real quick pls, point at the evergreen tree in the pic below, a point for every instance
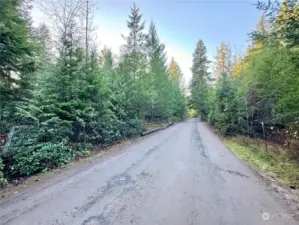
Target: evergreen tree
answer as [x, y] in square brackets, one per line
[224, 107]
[283, 23]
[287, 23]
[135, 41]
[134, 62]
[177, 87]
[200, 76]
[17, 62]
[155, 49]
[157, 78]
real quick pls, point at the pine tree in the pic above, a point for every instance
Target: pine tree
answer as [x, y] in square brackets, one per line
[17, 62]
[287, 23]
[200, 65]
[16, 58]
[157, 77]
[200, 76]
[135, 41]
[134, 62]
[155, 49]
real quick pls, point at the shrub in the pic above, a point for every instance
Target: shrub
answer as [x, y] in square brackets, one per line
[3, 181]
[35, 148]
[36, 158]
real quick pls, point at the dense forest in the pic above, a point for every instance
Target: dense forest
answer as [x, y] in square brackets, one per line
[255, 94]
[60, 96]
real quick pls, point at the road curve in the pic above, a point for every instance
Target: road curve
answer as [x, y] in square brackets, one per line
[182, 175]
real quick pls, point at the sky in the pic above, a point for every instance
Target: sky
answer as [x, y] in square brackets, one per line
[180, 24]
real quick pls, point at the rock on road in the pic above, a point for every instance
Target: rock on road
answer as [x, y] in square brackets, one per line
[182, 175]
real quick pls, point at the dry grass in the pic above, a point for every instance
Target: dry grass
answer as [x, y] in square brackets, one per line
[273, 160]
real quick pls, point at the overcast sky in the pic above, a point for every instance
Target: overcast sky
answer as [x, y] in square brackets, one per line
[180, 23]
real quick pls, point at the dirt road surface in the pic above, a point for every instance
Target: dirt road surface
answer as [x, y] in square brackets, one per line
[182, 175]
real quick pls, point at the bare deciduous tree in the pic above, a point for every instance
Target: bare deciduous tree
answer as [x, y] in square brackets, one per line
[64, 19]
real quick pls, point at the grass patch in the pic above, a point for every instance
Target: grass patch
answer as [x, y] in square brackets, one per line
[278, 164]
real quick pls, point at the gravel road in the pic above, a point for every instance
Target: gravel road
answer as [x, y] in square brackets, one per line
[182, 175]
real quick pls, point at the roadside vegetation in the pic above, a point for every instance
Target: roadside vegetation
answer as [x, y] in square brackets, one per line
[61, 96]
[272, 160]
[256, 93]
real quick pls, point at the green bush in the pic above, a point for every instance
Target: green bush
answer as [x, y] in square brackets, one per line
[3, 181]
[36, 158]
[116, 130]
[35, 148]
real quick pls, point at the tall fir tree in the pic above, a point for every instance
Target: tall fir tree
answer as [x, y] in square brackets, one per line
[157, 77]
[135, 41]
[155, 49]
[200, 77]
[134, 62]
[17, 58]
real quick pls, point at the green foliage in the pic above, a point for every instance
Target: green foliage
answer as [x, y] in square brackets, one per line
[3, 181]
[34, 148]
[16, 59]
[79, 101]
[284, 170]
[200, 77]
[283, 18]
[259, 98]
[224, 106]
[34, 158]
